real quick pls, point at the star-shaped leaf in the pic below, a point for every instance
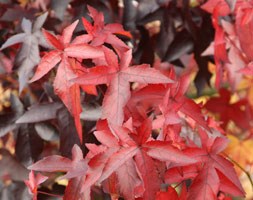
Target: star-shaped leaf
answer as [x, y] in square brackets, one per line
[118, 75]
[62, 53]
[29, 55]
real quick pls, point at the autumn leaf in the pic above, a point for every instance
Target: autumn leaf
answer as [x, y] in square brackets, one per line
[228, 111]
[118, 76]
[239, 150]
[63, 51]
[33, 183]
[217, 173]
[112, 158]
[146, 138]
[122, 152]
[175, 102]
[100, 33]
[74, 168]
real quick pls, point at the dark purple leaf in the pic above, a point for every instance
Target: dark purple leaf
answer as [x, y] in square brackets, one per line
[28, 145]
[46, 131]
[10, 166]
[7, 120]
[16, 12]
[40, 112]
[181, 45]
[28, 56]
[129, 15]
[60, 6]
[68, 133]
[16, 190]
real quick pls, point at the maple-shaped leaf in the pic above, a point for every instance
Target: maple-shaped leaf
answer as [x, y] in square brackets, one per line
[175, 102]
[112, 158]
[118, 75]
[219, 9]
[33, 182]
[28, 56]
[63, 51]
[141, 152]
[205, 185]
[74, 168]
[169, 99]
[144, 100]
[151, 152]
[100, 33]
[228, 111]
[217, 173]
[132, 157]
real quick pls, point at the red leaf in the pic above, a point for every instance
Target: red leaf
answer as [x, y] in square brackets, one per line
[117, 160]
[163, 151]
[175, 101]
[96, 166]
[244, 25]
[34, 182]
[53, 40]
[118, 76]
[101, 33]
[73, 189]
[179, 174]
[46, 64]
[205, 185]
[128, 179]
[69, 93]
[83, 51]
[74, 168]
[216, 173]
[151, 181]
[67, 33]
[228, 111]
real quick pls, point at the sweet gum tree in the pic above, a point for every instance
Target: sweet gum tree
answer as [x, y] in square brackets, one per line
[107, 99]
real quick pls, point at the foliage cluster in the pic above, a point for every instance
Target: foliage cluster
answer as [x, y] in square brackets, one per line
[147, 99]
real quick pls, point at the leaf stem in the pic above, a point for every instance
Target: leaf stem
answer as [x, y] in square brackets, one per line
[241, 168]
[49, 194]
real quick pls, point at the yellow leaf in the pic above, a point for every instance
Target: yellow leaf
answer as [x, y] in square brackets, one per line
[240, 151]
[23, 3]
